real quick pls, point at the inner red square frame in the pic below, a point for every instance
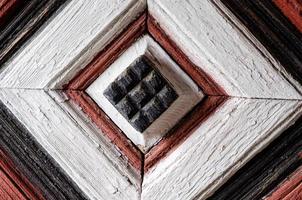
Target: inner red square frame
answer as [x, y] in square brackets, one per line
[215, 96]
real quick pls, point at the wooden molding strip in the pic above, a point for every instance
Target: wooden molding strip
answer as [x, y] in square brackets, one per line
[264, 172]
[208, 85]
[183, 130]
[22, 157]
[291, 9]
[107, 127]
[103, 60]
[289, 189]
[24, 24]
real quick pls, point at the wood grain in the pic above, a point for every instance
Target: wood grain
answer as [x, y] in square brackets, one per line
[8, 9]
[265, 22]
[126, 147]
[184, 128]
[218, 148]
[208, 85]
[25, 23]
[32, 170]
[88, 163]
[84, 27]
[13, 184]
[270, 167]
[290, 189]
[104, 58]
[189, 93]
[215, 44]
[291, 9]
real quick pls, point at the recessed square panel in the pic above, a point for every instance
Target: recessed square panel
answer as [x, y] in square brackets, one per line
[145, 93]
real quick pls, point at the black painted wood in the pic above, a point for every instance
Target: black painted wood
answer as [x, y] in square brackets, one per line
[269, 168]
[31, 159]
[140, 94]
[24, 24]
[273, 30]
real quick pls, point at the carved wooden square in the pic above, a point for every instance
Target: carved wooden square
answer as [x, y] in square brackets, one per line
[140, 94]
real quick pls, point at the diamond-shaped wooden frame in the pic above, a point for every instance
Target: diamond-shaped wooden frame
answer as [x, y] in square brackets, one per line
[263, 98]
[145, 24]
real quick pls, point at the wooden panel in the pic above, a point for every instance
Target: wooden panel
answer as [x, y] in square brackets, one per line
[217, 46]
[69, 42]
[90, 165]
[218, 148]
[32, 170]
[264, 172]
[8, 8]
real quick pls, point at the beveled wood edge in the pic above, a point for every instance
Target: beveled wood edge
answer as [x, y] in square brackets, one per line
[103, 59]
[133, 154]
[203, 80]
[183, 129]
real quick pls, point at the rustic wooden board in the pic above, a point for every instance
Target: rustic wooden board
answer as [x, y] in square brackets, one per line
[62, 137]
[263, 173]
[218, 148]
[35, 173]
[69, 42]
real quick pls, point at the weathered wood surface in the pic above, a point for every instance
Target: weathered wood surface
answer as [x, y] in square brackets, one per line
[218, 148]
[69, 42]
[25, 23]
[263, 173]
[272, 29]
[289, 189]
[88, 163]
[34, 172]
[291, 9]
[212, 42]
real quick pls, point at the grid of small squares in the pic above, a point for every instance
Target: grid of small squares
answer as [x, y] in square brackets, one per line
[140, 94]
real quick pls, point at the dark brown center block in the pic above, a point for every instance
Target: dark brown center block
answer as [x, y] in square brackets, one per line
[141, 94]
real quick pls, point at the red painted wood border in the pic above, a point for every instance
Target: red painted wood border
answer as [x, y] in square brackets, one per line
[75, 90]
[183, 129]
[292, 9]
[8, 9]
[106, 57]
[216, 96]
[108, 127]
[17, 186]
[204, 81]
[290, 189]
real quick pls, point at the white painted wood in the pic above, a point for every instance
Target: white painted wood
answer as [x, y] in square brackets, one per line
[69, 42]
[218, 148]
[213, 43]
[91, 165]
[188, 92]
